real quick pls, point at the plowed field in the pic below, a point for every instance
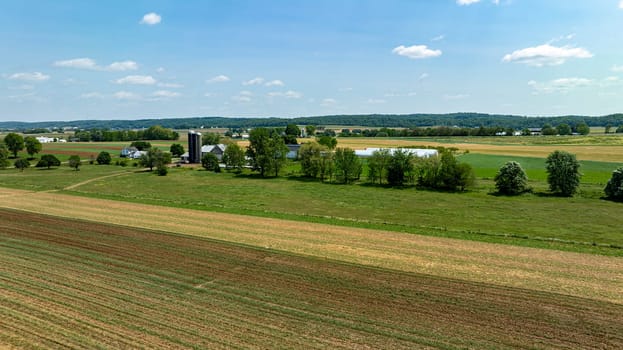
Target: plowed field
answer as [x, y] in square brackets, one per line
[79, 284]
[573, 274]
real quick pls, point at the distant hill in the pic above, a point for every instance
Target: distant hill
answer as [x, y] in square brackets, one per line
[364, 120]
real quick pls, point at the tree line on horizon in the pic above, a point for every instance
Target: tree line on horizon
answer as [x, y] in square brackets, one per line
[468, 120]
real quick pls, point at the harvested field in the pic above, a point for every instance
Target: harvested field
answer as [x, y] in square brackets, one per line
[70, 283]
[573, 274]
[607, 153]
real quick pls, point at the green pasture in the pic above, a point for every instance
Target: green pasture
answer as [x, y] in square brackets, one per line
[585, 222]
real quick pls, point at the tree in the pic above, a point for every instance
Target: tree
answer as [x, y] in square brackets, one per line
[347, 165]
[4, 157]
[400, 168]
[267, 151]
[327, 166]
[377, 165]
[511, 179]
[310, 155]
[14, 142]
[548, 130]
[233, 157]
[614, 188]
[21, 164]
[176, 149]
[563, 129]
[210, 138]
[619, 129]
[328, 141]
[103, 158]
[33, 146]
[75, 162]
[582, 129]
[291, 133]
[141, 145]
[310, 130]
[608, 128]
[155, 158]
[48, 161]
[210, 162]
[563, 173]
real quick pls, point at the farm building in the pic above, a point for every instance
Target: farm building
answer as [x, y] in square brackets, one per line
[194, 147]
[418, 152]
[217, 150]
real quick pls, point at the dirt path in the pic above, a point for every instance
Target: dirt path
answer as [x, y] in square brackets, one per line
[76, 185]
[581, 275]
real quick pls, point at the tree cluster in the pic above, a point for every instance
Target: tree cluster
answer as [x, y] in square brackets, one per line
[155, 132]
[267, 151]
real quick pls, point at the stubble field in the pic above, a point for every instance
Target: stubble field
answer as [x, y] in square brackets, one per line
[70, 283]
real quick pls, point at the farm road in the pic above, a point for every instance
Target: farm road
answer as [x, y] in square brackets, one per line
[582, 275]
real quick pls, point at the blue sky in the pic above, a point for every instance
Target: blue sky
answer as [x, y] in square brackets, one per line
[67, 60]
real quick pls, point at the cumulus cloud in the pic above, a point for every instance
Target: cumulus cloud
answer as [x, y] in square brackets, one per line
[137, 80]
[125, 95]
[546, 55]
[166, 94]
[416, 51]
[90, 64]
[274, 83]
[328, 102]
[218, 79]
[27, 76]
[456, 97]
[562, 85]
[617, 69]
[92, 95]
[254, 81]
[151, 19]
[287, 94]
[466, 2]
[375, 101]
[170, 85]
[621, 4]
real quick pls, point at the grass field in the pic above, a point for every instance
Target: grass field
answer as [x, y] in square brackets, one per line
[67, 283]
[169, 262]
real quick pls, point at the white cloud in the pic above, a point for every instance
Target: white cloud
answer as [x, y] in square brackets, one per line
[423, 76]
[274, 83]
[438, 38]
[456, 97]
[90, 64]
[254, 81]
[208, 94]
[137, 80]
[547, 54]
[328, 102]
[92, 95]
[22, 87]
[466, 2]
[562, 85]
[170, 85]
[239, 98]
[218, 79]
[612, 79]
[122, 66]
[166, 94]
[125, 95]
[151, 19]
[375, 101]
[26, 76]
[621, 4]
[416, 51]
[287, 94]
[394, 94]
[617, 69]
[160, 70]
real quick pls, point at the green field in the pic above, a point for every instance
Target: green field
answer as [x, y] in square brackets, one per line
[583, 223]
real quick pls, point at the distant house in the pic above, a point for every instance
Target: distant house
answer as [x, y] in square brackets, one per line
[293, 151]
[418, 152]
[535, 131]
[127, 151]
[137, 154]
[43, 139]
